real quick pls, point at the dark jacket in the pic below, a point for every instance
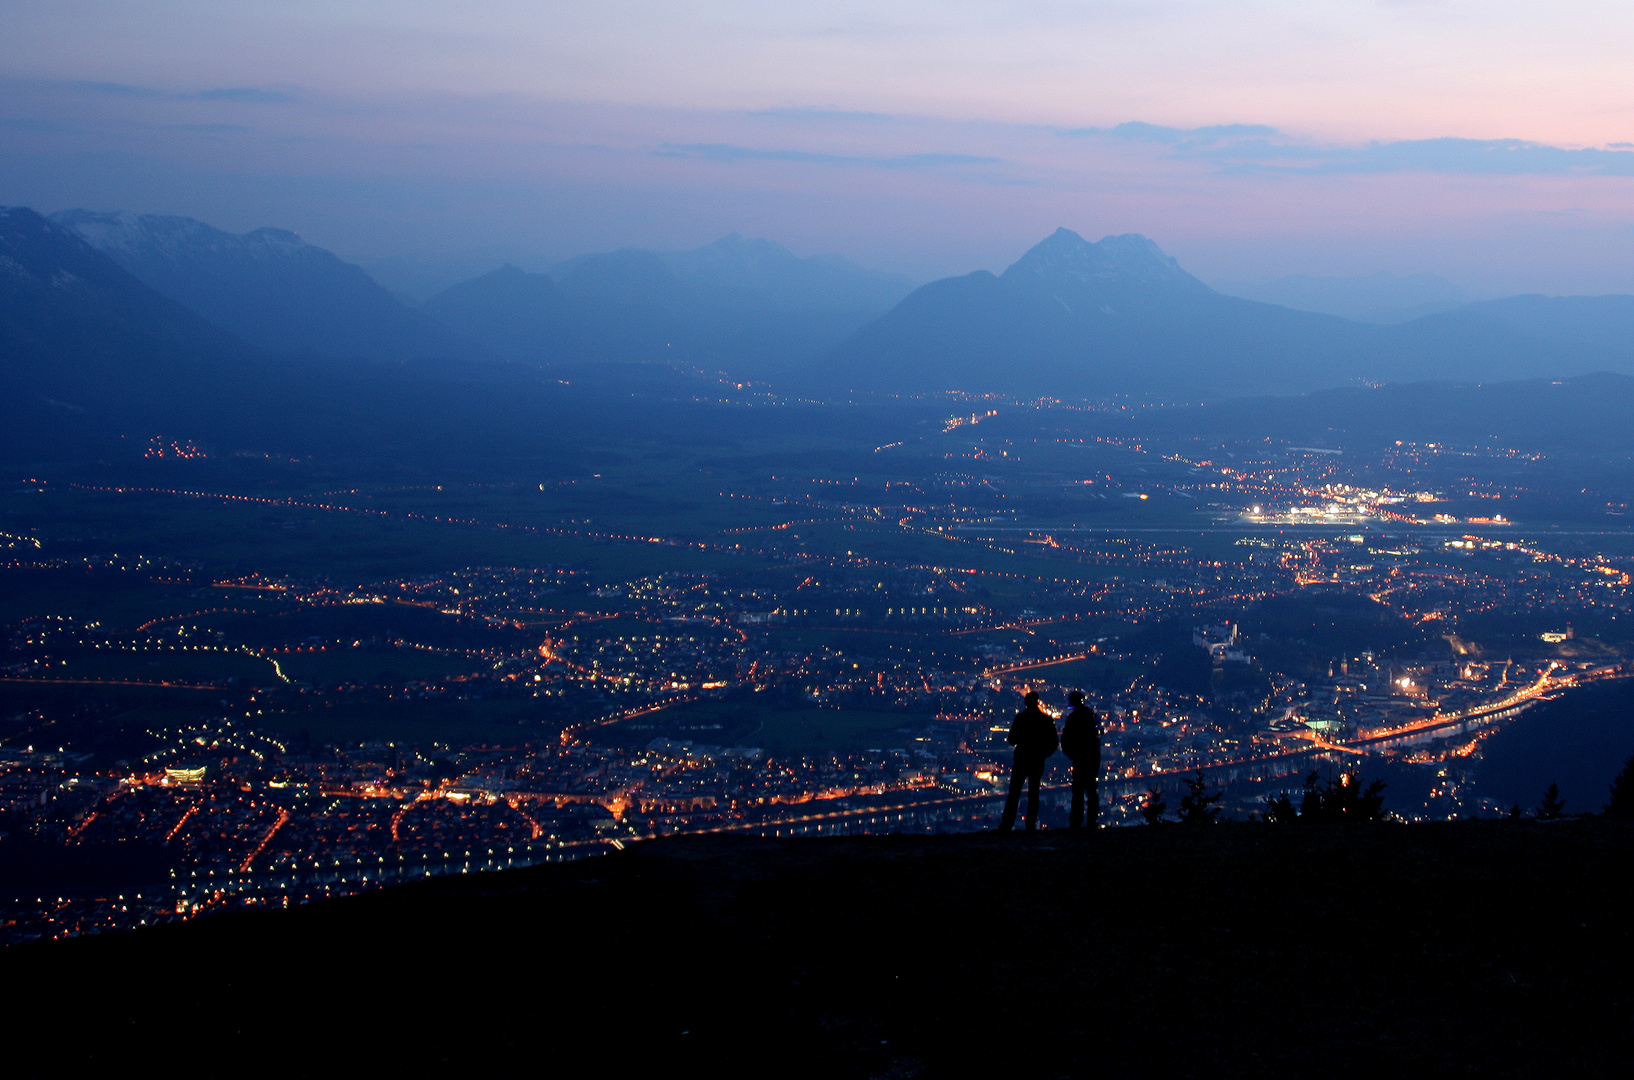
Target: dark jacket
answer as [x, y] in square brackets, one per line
[1033, 736]
[1081, 736]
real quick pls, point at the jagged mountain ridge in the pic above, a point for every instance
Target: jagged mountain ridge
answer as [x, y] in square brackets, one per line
[1064, 262]
[268, 286]
[1075, 318]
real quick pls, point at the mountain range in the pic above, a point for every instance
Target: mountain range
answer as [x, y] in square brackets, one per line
[269, 287]
[1072, 318]
[95, 363]
[249, 341]
[748, 306]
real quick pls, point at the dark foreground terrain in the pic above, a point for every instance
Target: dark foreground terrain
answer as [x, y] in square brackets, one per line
[1490, 948]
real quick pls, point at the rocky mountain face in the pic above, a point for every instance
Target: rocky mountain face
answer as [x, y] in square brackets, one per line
[1065, 264]
[269, 287]
[57, 293]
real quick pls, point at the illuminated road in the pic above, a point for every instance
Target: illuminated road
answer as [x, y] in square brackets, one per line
[1033, 665]
[112, 682]
[283, 819]
[1546, 684]
[571, 734]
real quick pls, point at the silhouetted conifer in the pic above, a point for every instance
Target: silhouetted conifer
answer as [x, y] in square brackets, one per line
[1152, 807]
[1340, 798]
[1622, 792]
[1197, 807]
[1281, 809]
[1552, 805]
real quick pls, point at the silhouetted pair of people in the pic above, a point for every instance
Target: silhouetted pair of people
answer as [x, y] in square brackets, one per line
[1034, 736]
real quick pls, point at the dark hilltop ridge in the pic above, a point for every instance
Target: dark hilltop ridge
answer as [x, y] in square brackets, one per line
[1473, 948]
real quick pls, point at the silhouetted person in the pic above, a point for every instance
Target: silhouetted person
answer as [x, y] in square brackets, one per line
[1081, 741]
[1033, 736]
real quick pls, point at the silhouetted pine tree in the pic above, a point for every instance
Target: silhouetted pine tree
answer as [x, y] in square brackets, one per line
[1152, 807]
[1552, 805]
[1197, 808]
[1622, 792]
[1341, 798]
[1281, 809]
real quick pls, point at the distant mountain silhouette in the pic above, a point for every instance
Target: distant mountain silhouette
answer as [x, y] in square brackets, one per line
[416, 277]
[747, 306]
[1383, 298]
[518, 315]
[84, 341]
[58, 293]
[1073, 318]
[94, 364]
[749, 273]
[269, 287]
[1581, 322]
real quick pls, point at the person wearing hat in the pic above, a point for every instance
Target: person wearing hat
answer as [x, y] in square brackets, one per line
[1081, 741]
[1033, 735]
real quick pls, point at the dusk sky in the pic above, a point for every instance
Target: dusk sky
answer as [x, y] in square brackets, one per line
[1490, 142]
